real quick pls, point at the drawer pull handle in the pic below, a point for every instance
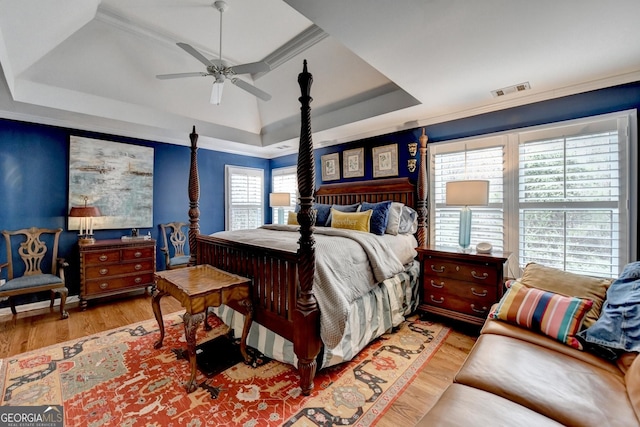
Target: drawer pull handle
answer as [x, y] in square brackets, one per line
[435, 285]
[138, 280]
[483, 310]
[138, 254]
[104, 285]
[103, 258]
[483, 294]
[475, 275]
[437, 270]
[104, 271]
[437, 301]
[138, 267]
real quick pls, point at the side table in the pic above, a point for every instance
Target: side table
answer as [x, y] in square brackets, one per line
[197, 288]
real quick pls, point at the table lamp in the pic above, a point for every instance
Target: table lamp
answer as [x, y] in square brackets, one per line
[465, 194]
[279, 200]
[86, 215]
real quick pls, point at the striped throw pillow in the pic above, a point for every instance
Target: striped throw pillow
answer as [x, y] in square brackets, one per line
[557, 316]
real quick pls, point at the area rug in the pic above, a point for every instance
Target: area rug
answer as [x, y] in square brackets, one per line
[117, 378]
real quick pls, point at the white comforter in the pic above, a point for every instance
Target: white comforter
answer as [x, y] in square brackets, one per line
[348, 264]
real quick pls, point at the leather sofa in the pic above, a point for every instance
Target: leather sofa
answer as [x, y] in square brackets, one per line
[515, 376]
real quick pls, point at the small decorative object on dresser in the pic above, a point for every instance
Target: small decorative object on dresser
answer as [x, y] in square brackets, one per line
[110, 267]
[461, 286]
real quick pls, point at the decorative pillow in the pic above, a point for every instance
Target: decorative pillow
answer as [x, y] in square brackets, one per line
[358, 221]
[395, 212]
[343, 208]
[569, 284]
[292, 219]
[556, 316]
[379, 216]
[408, 221]
[322, 214]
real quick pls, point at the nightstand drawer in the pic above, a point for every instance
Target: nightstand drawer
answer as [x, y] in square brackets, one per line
[472, 307]
[479, 273]
[460, 289]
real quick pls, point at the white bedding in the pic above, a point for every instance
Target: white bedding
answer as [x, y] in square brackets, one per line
[348, 264]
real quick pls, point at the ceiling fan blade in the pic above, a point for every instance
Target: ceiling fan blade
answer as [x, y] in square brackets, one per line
[180, 75]
[251, 89]
[251, 68]
[193, 52]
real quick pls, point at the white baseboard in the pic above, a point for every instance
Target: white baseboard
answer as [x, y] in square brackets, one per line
[39, 305]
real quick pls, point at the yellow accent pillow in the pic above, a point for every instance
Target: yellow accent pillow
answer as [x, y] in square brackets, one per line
[292, 219]
[351, 220]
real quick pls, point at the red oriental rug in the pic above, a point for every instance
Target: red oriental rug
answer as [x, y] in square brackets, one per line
[117, 378]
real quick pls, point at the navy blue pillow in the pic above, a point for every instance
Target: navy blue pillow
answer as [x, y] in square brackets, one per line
[322, 213]
[379, 216]
[343, 208]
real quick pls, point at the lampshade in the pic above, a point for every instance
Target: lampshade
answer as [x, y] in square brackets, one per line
[279, 199]
[84, 212]
[467, 193]
[216, 91]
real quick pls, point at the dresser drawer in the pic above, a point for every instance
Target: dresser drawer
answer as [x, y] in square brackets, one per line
[137, 253]
[478, 273]
[118, 283]
[461, 289]
[107, 270]
[102, 257]
[473, 307]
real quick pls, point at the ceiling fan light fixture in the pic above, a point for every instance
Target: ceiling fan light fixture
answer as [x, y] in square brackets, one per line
[216, 92]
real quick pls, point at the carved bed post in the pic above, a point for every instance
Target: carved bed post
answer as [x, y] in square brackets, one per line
[194, 197]
[423, 191]
[306, 334]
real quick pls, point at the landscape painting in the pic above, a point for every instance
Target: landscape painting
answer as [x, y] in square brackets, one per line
[115, 177]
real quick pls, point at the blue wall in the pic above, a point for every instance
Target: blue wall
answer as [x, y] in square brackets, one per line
[34, 164]
[617, 98]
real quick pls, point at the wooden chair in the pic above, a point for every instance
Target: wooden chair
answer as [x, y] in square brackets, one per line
[40, 269]
[175, 244]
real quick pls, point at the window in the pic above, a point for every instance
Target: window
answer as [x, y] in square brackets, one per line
[244, 198]
[284, 180]
[559, 194]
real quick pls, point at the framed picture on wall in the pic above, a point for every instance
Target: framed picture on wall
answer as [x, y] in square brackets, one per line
[385, 161]
[115, 177]
[353, 163]
[330, 167]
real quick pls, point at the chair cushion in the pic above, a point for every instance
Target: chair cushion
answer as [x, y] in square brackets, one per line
[180, 260]
[26, 282]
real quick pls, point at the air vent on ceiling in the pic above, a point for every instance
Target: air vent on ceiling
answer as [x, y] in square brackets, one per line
[282, 147]
[511, 89]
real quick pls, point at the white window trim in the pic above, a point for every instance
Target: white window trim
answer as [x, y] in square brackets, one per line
[627, 126]
[229, 170]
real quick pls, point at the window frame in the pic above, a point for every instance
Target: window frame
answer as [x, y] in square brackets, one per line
[287, 170]
[627, 134]
[231, 170]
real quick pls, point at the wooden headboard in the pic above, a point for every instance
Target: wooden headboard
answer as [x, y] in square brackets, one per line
[347, 193]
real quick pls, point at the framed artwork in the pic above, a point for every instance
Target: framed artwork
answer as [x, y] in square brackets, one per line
[330, 167]
[385, 161]
[353, 163]
[115, 177]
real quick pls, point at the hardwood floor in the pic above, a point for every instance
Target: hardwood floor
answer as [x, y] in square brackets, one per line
[40, 328]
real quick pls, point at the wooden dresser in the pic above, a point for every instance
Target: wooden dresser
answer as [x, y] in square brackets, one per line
[461, 286]
[109, 267]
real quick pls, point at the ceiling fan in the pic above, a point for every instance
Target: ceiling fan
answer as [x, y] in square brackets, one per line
[220, 70]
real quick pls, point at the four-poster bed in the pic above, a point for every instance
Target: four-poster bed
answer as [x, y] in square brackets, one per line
[284, 300]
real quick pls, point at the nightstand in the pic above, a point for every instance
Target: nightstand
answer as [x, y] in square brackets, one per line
[462, 286]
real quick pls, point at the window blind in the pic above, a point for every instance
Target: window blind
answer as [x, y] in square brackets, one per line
[245, 195]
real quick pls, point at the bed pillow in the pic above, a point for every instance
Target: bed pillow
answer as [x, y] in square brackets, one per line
[343, 208]
[292, 219]
[569, 284]
[408, 221]
[395, 212]
[358, 221]
[557, 316]
[379, 216]
[323, 212]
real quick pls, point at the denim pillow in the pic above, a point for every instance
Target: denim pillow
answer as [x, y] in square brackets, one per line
[322, 213]
[379, 217]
